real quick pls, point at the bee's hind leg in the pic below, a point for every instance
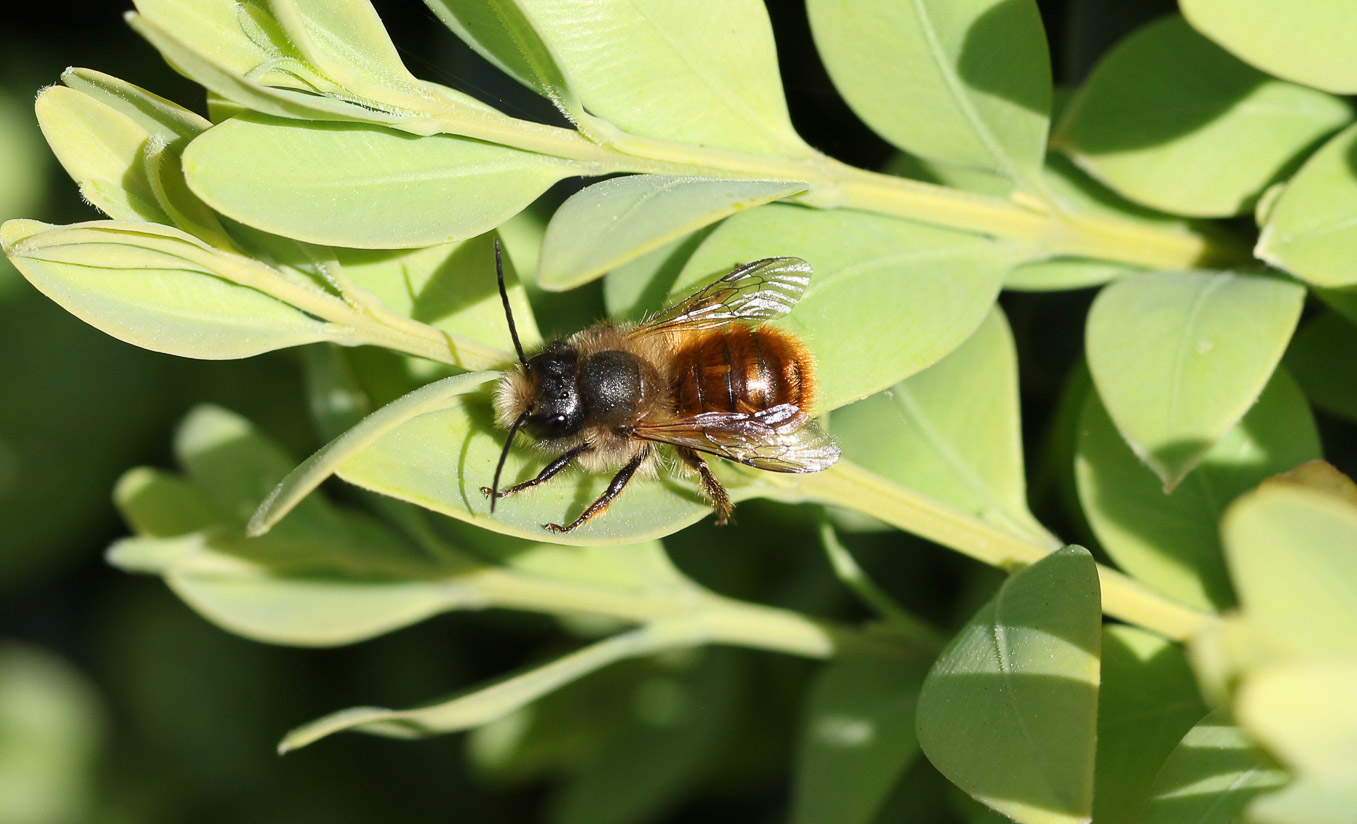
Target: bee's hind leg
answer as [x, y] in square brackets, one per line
[618, 483]
[720, 498]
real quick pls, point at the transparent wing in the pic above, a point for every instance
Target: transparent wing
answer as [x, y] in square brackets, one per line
[752, 293]
[781, 439]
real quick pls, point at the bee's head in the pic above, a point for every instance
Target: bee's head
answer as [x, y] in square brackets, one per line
[554, 409]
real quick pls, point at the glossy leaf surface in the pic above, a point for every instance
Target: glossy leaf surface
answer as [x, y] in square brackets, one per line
[1179, 357]
[1008, 712]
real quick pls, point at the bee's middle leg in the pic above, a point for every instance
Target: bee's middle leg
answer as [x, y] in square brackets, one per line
[720, 498]
[619, 482]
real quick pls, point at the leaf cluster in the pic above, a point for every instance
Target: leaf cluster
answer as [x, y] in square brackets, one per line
[1201, 175]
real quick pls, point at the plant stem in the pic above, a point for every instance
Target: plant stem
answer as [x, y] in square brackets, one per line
[853, 487]
[837, 185]
[704, 617]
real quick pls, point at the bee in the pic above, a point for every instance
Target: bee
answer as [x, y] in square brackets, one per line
[703, 377]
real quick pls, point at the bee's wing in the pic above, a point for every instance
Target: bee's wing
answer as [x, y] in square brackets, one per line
[752, 293]
[781, 439]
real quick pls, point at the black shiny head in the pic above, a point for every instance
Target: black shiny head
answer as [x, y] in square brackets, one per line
[556, 410]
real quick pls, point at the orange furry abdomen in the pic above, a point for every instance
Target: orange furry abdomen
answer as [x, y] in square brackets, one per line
[739, 369]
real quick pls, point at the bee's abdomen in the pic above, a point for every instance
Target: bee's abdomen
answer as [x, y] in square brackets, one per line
[739, 369]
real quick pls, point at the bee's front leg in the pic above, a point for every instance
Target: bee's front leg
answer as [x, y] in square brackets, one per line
[548, 472]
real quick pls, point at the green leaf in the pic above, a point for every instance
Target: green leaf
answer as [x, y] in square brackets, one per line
[478, 705]
[156, 287]
[1170, 541]
[501, 32]
[1008, 712]
[888, 298]
[1310, 48]
[857, 738]
[1148, 701]
[967, 83]
[450, 287]
[1320, 357]
[1293, 557]
[614, 222]
[1309, 231]
[1179, 357]
[699, 74]
[1171, 120]
[1209, 777]
[311, 473]
[318, 183]
[952, 432]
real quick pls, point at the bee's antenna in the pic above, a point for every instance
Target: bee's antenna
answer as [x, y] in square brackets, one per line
[513, 332]
[504, 456]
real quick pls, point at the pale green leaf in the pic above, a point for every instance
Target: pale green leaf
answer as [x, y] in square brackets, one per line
[1320, 357]
[679, 733]
[478, 705]
[155, 287]
[1170, 120]
[238, 52]
[1292, 553]
[101, 149]
[157, 116]
[165, 174]
[966, 82]
[1310, 231]
[634, 289]
[1303, 713]
[330, 577]
[1179, 357]
[1060, 275]
[450, 287]
[1008, 712]
[952, 432]
[323, 590]
[1310, 45]
[1170, 541]
[1209, 777]
[614, 222]
[345, 40]
[1147, 702]
[320, 183]
[245, 56]
[1307, 800]
[501, 32]
[887, 298]
[53, 726]
[312, 472]
[857, 738]
[694, 73]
